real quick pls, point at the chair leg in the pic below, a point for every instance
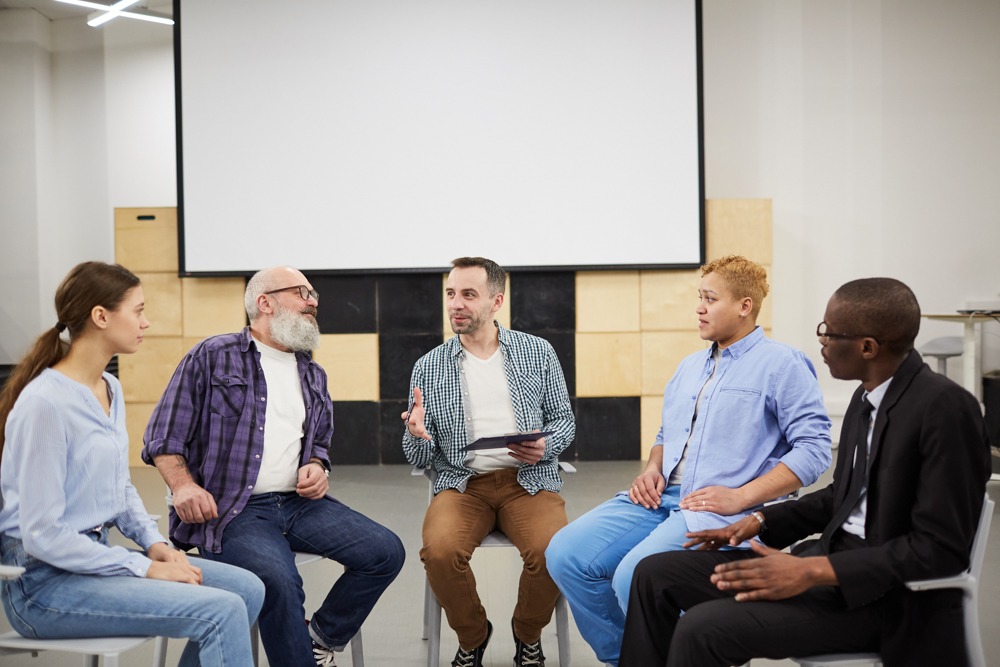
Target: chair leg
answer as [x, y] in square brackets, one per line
[562, 631]
[973, 640]
[942, 365]
[428, 604]
[160, 652]
[433, 632]
[357, 651]
[111, 660]
[88, 660]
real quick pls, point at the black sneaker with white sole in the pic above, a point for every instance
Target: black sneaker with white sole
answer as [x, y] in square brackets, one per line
[473, 658]
[525, 654]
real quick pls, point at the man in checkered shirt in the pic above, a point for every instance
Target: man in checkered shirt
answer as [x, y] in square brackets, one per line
[488, 381]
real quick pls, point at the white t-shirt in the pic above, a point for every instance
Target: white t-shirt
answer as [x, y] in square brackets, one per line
[283, 420]
[489, 409]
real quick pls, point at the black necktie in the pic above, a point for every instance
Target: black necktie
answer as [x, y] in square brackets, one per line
[858, 475]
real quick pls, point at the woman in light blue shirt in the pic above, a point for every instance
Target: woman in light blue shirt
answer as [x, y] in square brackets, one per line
[743, 423]
[64, 481]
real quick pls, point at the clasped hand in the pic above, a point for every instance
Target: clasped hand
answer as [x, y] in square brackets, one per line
[171, 565]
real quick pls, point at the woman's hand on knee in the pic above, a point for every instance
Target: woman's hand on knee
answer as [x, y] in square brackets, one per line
[183, 572]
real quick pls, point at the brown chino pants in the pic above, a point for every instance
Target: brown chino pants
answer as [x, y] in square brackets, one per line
[456, 523]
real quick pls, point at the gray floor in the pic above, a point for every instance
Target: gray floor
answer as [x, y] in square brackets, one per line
[392, 634]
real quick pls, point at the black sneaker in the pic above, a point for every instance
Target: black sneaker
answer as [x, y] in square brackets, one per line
[323, 655]
[527, 655]
[473, 658]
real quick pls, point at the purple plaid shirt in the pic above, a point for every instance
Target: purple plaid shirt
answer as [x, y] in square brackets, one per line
[212, 414]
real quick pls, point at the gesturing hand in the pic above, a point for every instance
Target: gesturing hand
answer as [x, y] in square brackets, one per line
[415, 417]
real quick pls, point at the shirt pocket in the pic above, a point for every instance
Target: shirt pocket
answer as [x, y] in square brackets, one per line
[229, 394]
[739, 394]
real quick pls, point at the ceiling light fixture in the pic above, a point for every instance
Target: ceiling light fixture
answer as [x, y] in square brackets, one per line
[109, 12]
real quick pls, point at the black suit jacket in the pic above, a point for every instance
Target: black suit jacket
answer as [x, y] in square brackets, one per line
[928, 467]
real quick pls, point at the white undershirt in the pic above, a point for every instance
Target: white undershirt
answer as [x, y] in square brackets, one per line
[489, 409]
[283, 419]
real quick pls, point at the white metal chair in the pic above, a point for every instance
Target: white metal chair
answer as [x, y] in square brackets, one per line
[93, 648]
[432, 608]
[967, 582]
[357, 648]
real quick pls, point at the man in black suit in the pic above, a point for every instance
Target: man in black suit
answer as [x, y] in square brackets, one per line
[914, 444]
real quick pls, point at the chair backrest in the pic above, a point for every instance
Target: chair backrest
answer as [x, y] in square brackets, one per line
[978, 554]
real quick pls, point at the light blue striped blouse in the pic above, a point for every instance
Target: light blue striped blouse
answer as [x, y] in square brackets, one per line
[65, 472]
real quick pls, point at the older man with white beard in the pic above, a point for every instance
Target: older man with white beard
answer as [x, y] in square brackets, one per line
[240, 436]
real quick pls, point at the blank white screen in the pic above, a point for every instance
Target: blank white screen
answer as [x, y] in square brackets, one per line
[399, 134]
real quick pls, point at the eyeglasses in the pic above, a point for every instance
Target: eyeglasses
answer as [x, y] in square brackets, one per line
[825, 336]
[304, 292]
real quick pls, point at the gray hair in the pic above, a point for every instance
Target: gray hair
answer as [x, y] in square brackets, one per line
[260, 282]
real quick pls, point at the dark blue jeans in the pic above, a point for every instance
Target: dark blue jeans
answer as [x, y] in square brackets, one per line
[262, 539]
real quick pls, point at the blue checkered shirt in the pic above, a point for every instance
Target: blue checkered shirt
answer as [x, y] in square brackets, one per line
[537, 392]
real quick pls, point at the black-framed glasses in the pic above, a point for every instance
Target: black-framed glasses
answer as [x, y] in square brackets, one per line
[304, 292]
[823, 333]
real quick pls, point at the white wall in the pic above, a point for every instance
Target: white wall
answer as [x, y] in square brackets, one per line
[24, 119]
[87, 125]
[875, 129]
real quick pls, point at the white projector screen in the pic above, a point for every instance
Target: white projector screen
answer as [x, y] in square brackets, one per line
[386, 135]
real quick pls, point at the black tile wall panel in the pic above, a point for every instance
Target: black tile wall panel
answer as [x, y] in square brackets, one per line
[396, 355]
[347, 304]
[410, 303]
[391, 431]
[543, 301]
[608, 429]
[355, 433]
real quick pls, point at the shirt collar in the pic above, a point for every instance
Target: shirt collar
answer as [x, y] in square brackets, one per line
[245, 339]
[876, 395]
[742, 346]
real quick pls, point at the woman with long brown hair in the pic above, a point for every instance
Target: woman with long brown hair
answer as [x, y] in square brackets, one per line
[64, 481]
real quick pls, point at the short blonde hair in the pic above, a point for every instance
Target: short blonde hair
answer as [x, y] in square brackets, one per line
[743, 277]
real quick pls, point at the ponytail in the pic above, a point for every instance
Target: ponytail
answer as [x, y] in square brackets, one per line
[87, 285]
[47, 351]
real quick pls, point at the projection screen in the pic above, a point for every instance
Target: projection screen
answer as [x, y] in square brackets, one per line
[387, 135]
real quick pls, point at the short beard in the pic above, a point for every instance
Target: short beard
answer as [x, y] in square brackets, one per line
[294, 330]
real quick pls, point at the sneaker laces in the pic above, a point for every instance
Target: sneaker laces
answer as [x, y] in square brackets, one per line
[531, 654]
[324, 656]
[464, 658]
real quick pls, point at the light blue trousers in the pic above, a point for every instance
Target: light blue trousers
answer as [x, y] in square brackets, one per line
[592, 560]
[49, 603]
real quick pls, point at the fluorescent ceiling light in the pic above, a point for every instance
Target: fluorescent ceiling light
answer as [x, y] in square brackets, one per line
[113, 11]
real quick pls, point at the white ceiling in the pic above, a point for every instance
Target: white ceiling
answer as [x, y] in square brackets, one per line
[55, 11]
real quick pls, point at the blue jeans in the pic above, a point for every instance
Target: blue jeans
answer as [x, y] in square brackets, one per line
[263, 538]
[592, 560]
[49, 603]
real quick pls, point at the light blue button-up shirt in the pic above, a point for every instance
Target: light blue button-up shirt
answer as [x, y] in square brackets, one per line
[763, 407]
[65, 472]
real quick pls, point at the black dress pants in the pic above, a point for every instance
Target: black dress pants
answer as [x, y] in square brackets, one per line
[715, 629]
